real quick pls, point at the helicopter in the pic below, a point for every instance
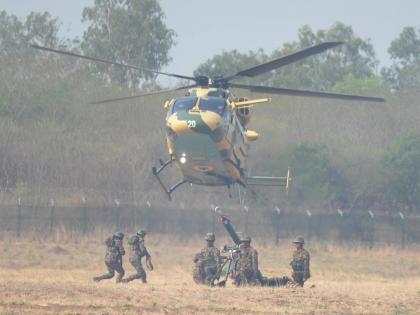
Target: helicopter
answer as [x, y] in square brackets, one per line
[207, 132]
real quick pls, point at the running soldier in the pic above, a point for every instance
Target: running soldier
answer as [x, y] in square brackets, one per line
[113, 261]
[118, 239]
[207, 262]
[137, 251]
[247, 266]
[300, 262]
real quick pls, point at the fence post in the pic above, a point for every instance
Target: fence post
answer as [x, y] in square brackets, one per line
[403, 229]
[148, 216]
[340, 225]
[246, 209]
[134, 217]
[371, 229]
[52, 214]
[213, 217]
[18, 217]
[309, 227]
[278, 221]
[117, 214]
[83, 215]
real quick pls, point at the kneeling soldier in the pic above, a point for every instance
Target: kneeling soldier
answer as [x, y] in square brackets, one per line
[207, 262]
[247, 266]
[300, 262]
[113, 261]
[137, 252]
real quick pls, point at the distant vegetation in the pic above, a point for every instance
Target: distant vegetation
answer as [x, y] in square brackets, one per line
[345, 155]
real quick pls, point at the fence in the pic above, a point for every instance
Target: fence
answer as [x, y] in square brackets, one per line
[266, 224]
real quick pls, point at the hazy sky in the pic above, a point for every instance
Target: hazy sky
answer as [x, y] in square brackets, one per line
[206, 28]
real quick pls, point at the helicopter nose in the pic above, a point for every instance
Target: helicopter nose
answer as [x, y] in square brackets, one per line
[190, 124]
[181, 126]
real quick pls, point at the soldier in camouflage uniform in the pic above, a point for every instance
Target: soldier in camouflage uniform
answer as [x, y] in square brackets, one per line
[118, 240]
[113, 260]
[247, 272]
[300, 262]
[137, 251]
[207, 262]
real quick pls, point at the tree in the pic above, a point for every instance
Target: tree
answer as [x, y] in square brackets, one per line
[127, 31]
[401, 167]
[373, 85]
[229, 63]
[320, 72]
[16, 35]
[24, 74]
[404, 74]
[315, 177]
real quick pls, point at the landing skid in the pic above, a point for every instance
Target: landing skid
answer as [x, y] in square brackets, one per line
[156, 172]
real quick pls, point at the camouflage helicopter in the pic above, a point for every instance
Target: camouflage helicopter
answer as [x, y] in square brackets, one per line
[207, 130]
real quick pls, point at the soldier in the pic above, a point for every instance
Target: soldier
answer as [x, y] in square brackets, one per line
[300, 262]
[118, 239]
[207, 262]
[137, 251]
[112, 261]
[247, 266]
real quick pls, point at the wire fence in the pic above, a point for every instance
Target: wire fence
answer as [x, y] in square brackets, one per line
[272, 225]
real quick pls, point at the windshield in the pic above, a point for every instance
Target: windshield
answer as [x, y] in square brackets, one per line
[184, 103]
[214, 104]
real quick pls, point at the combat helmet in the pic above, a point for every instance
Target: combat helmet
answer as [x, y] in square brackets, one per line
[119, 235]
[210, 237]
[141, 233]
[299, 240]
[245, 238]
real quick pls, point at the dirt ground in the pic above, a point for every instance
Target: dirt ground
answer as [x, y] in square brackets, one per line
[55, 277]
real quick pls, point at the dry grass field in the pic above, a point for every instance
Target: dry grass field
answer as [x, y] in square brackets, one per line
[54, 277]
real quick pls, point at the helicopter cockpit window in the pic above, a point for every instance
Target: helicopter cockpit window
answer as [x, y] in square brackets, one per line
[184, 104]
[214, 104]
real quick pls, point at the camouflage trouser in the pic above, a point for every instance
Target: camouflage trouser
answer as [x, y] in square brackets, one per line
[245, 277]
[298, 277]
[141, 274]
[112, 266]
[209, 272]
[198, 274]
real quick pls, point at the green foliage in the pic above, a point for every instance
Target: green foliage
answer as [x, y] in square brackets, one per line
[229, 63]
[356, 58]
[127, 31]
[316, 179]
[373, 85]
[401, 166]
[404, 74]
[320, 72]
[16, 35]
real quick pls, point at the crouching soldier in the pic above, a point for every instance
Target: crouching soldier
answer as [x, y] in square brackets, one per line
[247, 266]
[300, 262]
[113, 258]
[207, 262]
[137, 251]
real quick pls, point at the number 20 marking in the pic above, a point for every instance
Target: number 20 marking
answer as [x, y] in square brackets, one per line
[191, 123]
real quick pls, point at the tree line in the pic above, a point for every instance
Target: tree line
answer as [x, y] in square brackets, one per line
[343, 155]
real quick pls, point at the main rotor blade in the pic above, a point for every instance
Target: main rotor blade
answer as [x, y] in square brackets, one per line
[285, 60]
[293, 92]
[68, 53]
[118, 99]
